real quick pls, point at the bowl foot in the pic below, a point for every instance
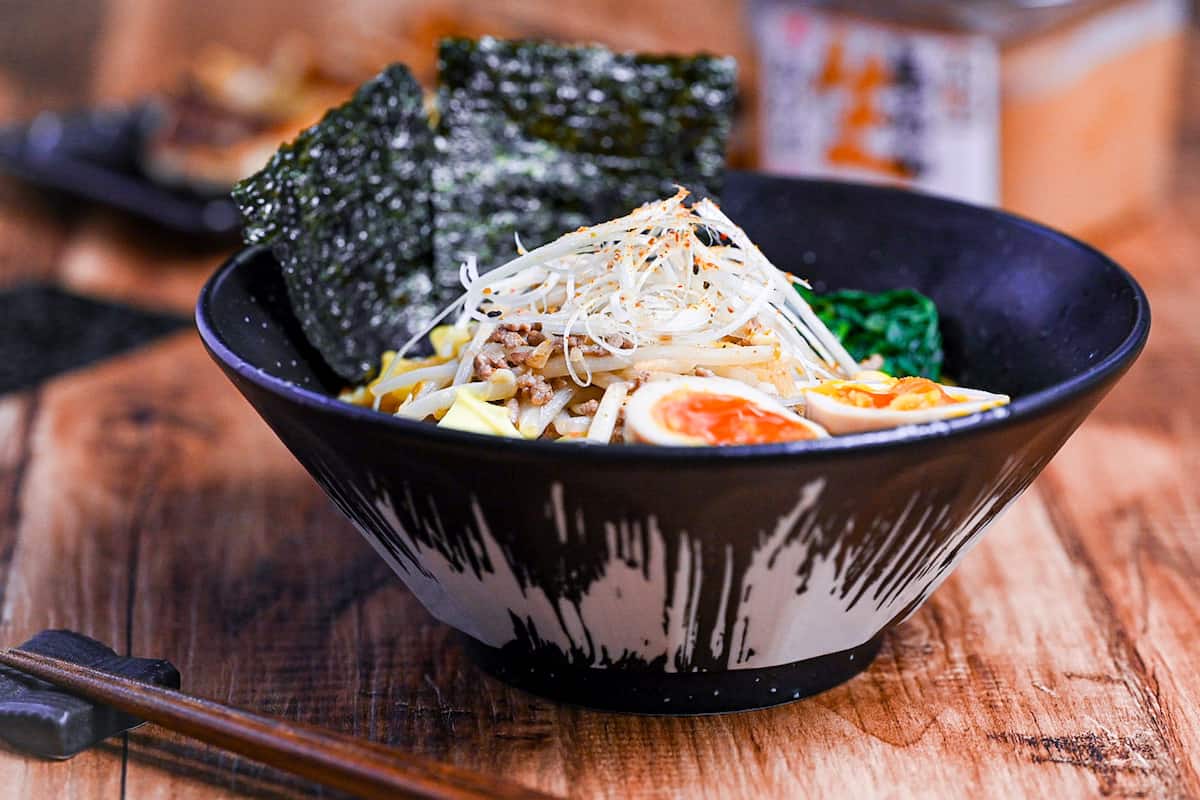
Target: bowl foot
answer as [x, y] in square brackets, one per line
[672, 693]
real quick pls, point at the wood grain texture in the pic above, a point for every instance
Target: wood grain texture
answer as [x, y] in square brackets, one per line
[347, 763]
[142, 502]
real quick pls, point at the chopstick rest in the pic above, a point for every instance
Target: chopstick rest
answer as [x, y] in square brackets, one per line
[38, 719]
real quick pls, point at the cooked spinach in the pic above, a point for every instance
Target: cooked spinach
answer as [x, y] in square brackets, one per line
[900, 325]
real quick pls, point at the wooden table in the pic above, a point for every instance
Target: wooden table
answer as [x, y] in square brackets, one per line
[143, 502]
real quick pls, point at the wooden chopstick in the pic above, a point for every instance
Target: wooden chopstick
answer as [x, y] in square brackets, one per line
[356, 766]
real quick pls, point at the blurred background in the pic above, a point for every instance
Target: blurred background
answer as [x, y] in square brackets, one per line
[1067, 111]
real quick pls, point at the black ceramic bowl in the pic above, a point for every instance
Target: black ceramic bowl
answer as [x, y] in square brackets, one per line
[675, 580]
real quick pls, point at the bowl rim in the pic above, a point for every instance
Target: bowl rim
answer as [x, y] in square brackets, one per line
[1021, 408]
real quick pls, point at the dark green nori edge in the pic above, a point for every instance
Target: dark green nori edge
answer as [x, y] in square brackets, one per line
[346, 210]
[541, 138]
[901, 325]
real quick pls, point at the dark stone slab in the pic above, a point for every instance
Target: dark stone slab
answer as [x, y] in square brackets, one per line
[38, 719]
[45, 330]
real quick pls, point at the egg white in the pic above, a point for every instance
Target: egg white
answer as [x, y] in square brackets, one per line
[641, 424]
[841, 418]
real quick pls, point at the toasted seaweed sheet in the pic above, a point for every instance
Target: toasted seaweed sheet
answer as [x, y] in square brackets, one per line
[370, 218]
[346, 210]
[539, 139]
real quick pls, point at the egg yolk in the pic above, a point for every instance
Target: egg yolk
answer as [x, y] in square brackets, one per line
[906, 394]
[726, 419]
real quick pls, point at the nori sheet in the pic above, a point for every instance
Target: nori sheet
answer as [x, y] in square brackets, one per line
[370, 217]
[346, 210]
[539, 139]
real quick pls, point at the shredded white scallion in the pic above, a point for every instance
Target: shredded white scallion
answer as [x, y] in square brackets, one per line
[668, 273]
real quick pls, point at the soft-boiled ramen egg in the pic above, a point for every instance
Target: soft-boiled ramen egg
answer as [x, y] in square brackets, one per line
[711, 411]
[856, 406]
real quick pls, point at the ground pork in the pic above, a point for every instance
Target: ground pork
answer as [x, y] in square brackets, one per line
[585, 409]
[535, 388]
[513, 343]
[488, 361]
[510, 336]
[590, 348]
[618, 434]
[519, 355]
[585, 346]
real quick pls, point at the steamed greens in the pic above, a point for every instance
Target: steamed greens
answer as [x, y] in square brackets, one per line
[900, 326]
